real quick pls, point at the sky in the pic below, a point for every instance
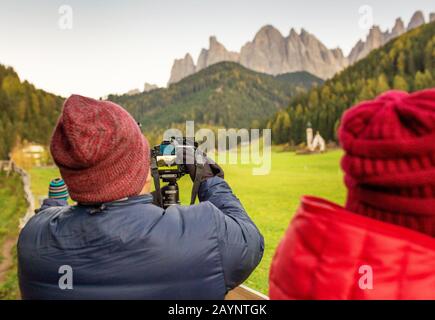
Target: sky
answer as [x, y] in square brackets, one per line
[115, 46]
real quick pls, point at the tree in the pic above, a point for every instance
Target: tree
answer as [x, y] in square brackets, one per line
[401, 64]
[382, 84]
[25, 113]
[429, 55]
[313, 101]
[423, 80]
[281, 127]
[400, 83]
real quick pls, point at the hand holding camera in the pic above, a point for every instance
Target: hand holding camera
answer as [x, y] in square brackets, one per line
[174, 158]
[211, 169]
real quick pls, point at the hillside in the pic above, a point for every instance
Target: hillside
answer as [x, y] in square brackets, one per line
[26, 113]
[225, 94]
[405, 63]
[300, 78]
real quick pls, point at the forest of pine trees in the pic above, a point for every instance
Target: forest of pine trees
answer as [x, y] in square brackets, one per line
[26, 113]
[225, 94]
[406, 63]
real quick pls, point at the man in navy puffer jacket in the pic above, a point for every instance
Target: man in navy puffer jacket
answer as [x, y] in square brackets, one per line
[115, 243]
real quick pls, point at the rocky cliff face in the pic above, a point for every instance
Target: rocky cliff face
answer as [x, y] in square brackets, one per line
[270, 52]
[132, 92]
[398, 29]
[149, 87]
[267, 53]
[417, 20]
[216, 53]
[376, 38]
[182, 68]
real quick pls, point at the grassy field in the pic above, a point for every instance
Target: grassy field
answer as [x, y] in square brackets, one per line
[270, 200]
[13, 207]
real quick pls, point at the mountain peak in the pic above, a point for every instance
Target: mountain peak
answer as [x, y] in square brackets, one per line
[149, 87]
[338, 53]
[399, 27]
[182, 68]
[267, 28]
[215, 53]
[398, 22]
[417, 20]
[213, 41]
[293, 33]
[375, 29]
[306, 36]
[267, 31]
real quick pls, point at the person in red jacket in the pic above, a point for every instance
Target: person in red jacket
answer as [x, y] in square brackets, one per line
[381, 245]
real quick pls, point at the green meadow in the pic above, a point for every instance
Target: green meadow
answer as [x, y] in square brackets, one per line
[271, 200]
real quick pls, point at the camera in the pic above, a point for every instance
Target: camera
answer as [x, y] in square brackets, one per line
[168, 163]
[170, 155]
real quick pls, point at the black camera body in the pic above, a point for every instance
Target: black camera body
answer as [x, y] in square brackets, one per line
[169, 157]
[167, 164]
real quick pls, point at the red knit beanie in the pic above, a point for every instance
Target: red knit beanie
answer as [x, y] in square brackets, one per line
[389, 163]
[100, 151]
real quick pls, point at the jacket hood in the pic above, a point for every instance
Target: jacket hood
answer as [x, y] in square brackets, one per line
[327, 248]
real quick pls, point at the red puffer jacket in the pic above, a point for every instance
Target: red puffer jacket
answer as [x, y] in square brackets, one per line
[325, 246]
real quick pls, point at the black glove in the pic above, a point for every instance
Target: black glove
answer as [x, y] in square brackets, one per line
[211, 169]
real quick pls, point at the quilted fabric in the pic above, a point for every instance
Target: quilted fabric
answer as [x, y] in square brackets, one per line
[325, 246]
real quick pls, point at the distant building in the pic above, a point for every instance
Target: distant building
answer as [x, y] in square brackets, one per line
[34, 153]
[316, 142]
[309, 136]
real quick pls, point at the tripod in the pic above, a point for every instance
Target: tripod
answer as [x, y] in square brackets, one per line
[170, 194]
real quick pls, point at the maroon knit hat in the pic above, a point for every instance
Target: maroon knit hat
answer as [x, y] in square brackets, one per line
[100, 151]
[389, 163]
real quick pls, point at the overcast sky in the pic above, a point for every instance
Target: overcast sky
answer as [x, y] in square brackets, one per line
[115, 46]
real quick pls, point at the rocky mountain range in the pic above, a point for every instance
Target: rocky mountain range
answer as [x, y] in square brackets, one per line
[269, 52]
[377, 38]
[272, 53]
[146, 88]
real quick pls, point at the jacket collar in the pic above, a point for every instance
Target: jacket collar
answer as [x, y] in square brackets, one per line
[144, 198]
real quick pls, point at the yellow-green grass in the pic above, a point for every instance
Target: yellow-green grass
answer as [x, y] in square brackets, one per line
[12, 207]
[271, 200]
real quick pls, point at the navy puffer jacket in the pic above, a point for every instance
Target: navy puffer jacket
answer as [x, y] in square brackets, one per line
[133, 249]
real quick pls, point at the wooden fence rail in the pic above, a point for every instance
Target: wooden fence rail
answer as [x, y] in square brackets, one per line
[10, 166]
[245, 293]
